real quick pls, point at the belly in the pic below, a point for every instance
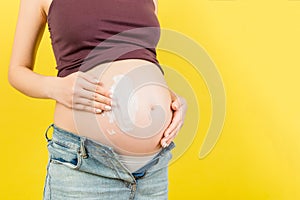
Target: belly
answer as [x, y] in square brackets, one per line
[140, 111]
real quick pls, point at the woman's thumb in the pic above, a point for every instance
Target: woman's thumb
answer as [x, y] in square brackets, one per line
[175, 105]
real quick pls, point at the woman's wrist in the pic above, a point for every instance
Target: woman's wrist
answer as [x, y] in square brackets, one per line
[50, 86]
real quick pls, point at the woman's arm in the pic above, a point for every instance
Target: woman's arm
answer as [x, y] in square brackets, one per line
[29, 31]
[30, 27]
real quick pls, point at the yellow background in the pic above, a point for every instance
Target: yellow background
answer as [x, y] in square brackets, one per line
[254, 43]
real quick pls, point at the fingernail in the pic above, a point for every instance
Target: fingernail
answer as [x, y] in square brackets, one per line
[107, 107]
[96, 81]
[110, 96]
[98, 111]
[164, 145]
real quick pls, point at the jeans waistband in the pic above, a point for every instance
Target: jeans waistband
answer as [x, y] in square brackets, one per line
[73, 140]
[79, 143]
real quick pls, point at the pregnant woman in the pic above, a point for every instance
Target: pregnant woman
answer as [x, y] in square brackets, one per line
[115, 117]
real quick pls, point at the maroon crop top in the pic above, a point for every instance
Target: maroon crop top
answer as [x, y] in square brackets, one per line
[85, 33]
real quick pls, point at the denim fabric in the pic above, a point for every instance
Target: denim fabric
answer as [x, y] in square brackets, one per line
[80, 168]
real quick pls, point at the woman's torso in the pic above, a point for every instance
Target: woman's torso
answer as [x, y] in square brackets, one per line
[141, 106]
[136, 127]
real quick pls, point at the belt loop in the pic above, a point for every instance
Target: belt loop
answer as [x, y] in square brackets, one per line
[46, 133]
[82, 148]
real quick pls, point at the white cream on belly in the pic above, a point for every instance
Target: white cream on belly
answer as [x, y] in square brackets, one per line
[127, 104]
[132, 106]
[133, 117]
[121, 100]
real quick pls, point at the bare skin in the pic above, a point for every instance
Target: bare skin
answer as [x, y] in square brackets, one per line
[30, 28]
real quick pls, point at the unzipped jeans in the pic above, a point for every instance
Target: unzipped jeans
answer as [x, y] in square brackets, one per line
[81, 168]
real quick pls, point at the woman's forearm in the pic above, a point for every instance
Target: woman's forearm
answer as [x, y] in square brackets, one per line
[30, 83]
[77, 90]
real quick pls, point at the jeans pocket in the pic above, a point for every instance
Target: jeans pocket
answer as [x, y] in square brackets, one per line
[62, 154]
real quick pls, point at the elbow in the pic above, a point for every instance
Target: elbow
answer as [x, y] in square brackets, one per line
[10, 77]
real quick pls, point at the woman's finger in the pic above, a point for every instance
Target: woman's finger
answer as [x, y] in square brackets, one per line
[89, 91]
[175, 105]
[95, 88]
[82, 93]
[91, 103]
[87, 108]
[167, 140]
[102, 99]
[100, 95]
[177, 118]
[178, 103]
[173, 134]
[82, 82]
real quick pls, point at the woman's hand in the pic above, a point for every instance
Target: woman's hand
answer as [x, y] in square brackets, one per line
[82, 92]
[179, 107]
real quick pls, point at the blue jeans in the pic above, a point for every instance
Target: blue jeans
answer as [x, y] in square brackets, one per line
[80, 168]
